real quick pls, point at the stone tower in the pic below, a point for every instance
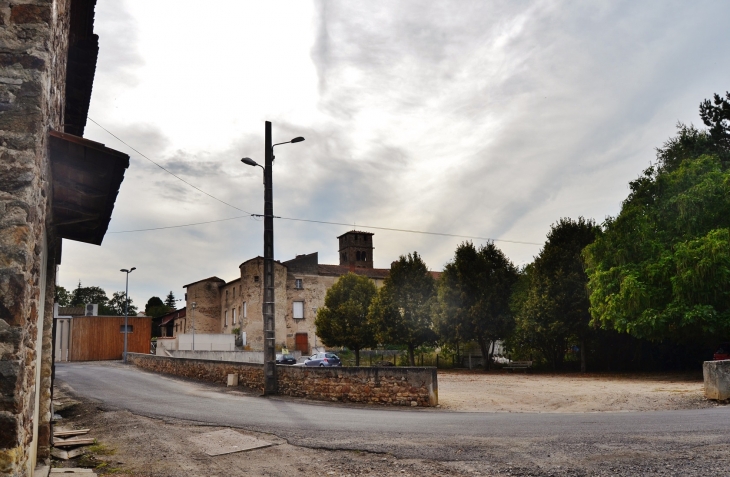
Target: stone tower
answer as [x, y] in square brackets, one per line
[356, 249]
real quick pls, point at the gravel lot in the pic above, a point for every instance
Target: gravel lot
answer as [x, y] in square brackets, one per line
[526, 392]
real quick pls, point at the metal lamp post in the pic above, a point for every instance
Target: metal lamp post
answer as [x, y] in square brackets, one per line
[126, 309]
[270, 381]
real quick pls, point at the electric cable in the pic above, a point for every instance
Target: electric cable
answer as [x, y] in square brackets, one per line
[167, 170]
[282, 218]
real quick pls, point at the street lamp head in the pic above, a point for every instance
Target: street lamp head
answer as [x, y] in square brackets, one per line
[297, 139]
[132, 269]
[124, 270]
[249, 162]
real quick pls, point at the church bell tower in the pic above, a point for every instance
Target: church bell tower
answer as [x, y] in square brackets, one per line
[356, 249]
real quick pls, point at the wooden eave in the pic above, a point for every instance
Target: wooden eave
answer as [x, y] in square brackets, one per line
[86, 180]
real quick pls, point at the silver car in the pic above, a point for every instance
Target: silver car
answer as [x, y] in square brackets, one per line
[323, 359]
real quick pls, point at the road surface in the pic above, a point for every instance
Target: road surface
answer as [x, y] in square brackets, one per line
[685, 439]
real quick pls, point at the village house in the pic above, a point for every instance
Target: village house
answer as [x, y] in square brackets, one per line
[300, 288]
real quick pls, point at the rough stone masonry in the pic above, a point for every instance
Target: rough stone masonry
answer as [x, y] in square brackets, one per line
[33, 52]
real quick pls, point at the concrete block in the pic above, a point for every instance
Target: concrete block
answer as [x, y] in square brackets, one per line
[232, 380]
[717, 379]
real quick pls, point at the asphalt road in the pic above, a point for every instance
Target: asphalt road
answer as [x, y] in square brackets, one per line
[677, 437]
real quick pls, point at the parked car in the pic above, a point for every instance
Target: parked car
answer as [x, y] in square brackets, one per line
[723, 352]
[285, 359]
[323, 359]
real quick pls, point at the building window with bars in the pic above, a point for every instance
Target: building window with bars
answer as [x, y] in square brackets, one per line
[233, 314]
[298, 283]
[225, 318]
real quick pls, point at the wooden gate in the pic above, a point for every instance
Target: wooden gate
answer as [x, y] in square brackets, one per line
[301, 343]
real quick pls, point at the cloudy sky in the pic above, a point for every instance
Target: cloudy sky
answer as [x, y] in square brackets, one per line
[488, 119]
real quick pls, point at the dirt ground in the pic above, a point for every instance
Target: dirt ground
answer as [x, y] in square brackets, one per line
[477, 391]
[130, 445]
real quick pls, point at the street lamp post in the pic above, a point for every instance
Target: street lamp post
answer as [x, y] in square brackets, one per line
[192, 320]
[270, 381]
[126, 309]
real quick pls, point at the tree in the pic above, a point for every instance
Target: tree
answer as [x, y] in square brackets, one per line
[343, 321]
[116, 305]
[170, 301]
[83, 295]
[155, 307]
[716, 116]
[555, 306]
[661, 269]
[401, 311]
[62, 296]
[474, 293]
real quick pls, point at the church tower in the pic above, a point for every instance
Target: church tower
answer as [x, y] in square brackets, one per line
[356, 249]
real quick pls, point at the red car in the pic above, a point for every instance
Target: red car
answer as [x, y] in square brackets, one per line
[723, 352]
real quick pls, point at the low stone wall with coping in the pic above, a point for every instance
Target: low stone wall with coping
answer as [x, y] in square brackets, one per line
[391, 386]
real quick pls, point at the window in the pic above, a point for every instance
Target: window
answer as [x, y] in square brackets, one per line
[298, 283]
[233, 314]
[256, 278]
[226, 294]
[130, 328]
[244, 310]
[298, 310]
[234, 292]
[225, 318]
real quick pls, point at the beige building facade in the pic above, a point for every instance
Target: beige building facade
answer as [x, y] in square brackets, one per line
[300, 288]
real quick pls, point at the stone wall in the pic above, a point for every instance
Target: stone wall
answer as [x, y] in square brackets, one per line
[250, 375]
[717, 379]
[393, 386]
[33, 52]
[206, 295]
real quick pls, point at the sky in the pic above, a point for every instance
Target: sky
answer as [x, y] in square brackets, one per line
[488, 119]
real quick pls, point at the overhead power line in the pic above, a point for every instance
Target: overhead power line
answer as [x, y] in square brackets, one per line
[167, 170]
[249, 214]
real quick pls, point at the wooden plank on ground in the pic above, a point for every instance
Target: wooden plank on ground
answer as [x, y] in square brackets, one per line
[69, 432]
[76, 441]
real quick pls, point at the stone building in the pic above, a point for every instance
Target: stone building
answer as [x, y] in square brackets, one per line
[300, 288]
[54, 185]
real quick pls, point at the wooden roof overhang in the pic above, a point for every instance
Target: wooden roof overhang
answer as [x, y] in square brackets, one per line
[86, 180]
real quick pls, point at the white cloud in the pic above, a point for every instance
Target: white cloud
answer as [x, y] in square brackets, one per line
[479, 118]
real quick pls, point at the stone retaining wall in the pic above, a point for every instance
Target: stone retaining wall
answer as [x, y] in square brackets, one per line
[717, 379]
[393, 386]
[250, 375]
[396, 386]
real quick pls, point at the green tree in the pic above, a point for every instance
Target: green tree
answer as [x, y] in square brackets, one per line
[343, 321]
[62, 296]
[474, 293]
[716, 116]
[83, 295]
[555, 306]
[401, 311]
[155, 307]
[116, 305]
[661, 269]
[170, 301]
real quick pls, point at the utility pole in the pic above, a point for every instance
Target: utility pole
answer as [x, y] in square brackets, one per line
[271, 385]
[192, 319]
